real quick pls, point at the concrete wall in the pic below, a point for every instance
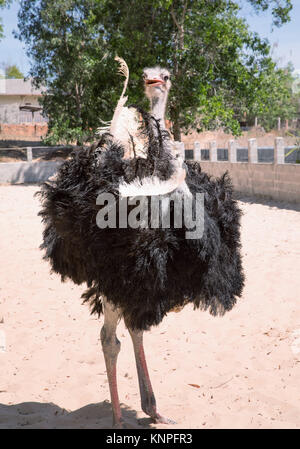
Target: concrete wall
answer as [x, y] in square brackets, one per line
[27, 172]
[280, 182]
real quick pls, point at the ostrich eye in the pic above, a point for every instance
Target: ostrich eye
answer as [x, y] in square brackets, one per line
[166, 78]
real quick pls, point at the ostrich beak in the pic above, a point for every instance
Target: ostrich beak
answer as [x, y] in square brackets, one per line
[154, 82]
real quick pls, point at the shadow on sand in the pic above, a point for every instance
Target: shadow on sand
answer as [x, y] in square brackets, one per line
[267, 202]
[28, 173]
[38, 415]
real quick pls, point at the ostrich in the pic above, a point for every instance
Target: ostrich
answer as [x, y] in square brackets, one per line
[140, 274]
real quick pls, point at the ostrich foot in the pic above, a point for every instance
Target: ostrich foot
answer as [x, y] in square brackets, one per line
[156, 417]
[162, 420]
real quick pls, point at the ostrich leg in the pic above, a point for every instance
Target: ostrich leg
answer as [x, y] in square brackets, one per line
[111, 349]
[147, 396]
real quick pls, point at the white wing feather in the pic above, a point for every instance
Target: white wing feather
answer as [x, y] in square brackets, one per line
[152, 185]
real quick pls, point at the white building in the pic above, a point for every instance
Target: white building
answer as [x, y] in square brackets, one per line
[19, 102]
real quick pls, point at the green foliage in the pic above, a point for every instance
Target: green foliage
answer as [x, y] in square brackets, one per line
[280, 9]
[277, 99]
[219, 68]
[12, 71]
[64, 132]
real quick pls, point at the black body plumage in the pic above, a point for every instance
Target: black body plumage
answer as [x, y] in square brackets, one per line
[144, 272]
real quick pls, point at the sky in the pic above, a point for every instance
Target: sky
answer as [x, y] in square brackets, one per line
[285, 40]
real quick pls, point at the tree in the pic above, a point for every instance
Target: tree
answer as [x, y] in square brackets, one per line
[217, 64]
[12, 71]
[279, 99]
[280, 9]
[67, 49]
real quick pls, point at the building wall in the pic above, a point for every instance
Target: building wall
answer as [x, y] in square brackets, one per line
[9, 108]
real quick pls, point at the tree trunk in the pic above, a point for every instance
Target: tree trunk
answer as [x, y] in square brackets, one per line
[176, 130]
[174, 116]
[179, 45]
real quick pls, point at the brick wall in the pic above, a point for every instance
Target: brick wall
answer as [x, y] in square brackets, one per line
[25, 131]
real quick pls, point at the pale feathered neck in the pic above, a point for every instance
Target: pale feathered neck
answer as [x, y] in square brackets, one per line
[158, 109]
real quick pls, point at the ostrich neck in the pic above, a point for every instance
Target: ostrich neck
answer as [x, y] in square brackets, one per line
[158, 108]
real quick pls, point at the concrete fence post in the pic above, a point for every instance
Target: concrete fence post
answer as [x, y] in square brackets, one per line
[197, 151]
[279, 153]
[252, 151]
[232, 153]
[29, 154]
[213, 153]
[279, 123]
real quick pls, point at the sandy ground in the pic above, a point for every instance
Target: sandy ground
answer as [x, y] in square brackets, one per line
[244, 367]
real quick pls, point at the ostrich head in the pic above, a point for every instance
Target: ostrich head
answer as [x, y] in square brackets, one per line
[157, 82]
[157, 85]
